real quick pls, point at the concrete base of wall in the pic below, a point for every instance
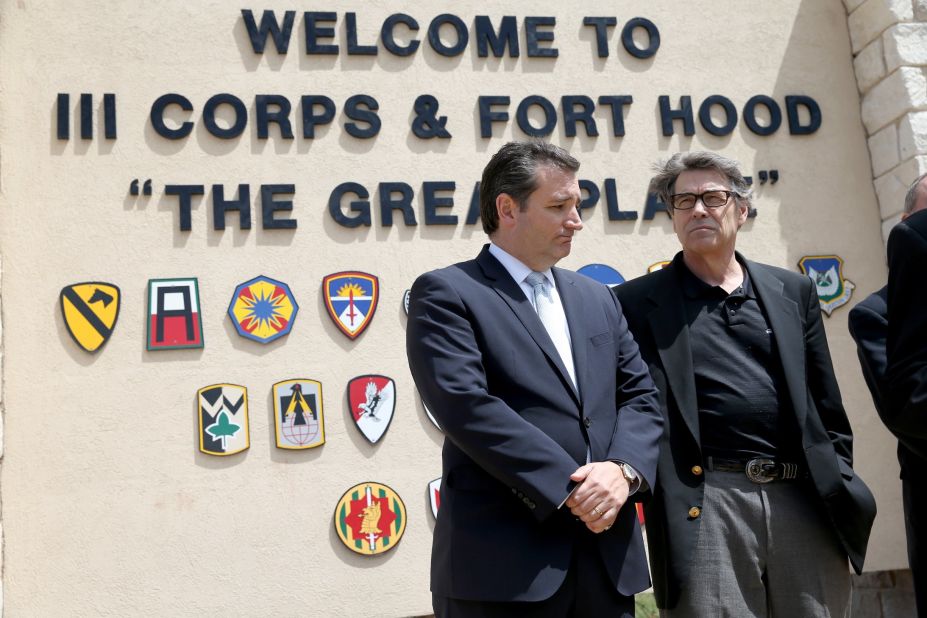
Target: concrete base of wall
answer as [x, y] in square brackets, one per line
[883, 594]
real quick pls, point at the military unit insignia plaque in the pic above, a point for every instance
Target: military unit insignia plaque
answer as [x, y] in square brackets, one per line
[222, 410]
[174, 314]
[431, 417]
[826, 271]
[370, 518]
[263, 309]
[351, 300]
[372, 400]
[90, 311]
[298, 420]
[434, 495]
[602, 273]
[658, 266]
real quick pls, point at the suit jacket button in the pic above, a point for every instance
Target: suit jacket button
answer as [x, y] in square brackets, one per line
[694, 512]
[587, 421]
[697, 470]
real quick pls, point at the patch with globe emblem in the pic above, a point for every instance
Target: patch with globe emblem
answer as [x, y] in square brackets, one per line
[298, 420]
[826, 271]
[370, 518]
[223, 419]
[263, 309]
[351, 300]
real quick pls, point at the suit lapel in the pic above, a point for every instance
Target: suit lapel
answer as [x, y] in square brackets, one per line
[573, 307]
[515, 298]
[785, 321]
[670, 331]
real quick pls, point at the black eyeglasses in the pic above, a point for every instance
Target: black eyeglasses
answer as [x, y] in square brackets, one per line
[715, 198]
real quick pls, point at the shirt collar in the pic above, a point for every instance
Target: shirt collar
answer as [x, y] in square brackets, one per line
[693, 287]
[515, 267]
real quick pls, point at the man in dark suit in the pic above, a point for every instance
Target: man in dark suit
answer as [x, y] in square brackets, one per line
[550, 418]
[756, 506]
[902, 402]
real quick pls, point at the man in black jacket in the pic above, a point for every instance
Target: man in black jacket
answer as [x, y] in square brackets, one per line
[757, 506]
[869, 327]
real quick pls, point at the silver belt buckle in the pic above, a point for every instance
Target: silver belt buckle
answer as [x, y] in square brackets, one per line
[756, 473]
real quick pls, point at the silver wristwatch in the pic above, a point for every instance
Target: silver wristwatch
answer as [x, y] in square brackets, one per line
[629, 474]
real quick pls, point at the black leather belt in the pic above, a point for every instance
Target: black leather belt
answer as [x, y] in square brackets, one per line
[759, 470]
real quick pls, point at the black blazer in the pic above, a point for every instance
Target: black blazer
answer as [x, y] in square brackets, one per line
[653, 305]
[868, 324]
[906, 378]
[515, 428]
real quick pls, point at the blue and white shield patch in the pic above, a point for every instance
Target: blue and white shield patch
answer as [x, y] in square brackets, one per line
[826, 271]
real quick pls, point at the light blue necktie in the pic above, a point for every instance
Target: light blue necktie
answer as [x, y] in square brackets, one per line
[552, 317]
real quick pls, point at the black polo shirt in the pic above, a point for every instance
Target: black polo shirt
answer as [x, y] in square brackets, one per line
[743, 403]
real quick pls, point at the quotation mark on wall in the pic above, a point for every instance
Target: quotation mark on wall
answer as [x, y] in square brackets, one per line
[770, 176]
[146, 188]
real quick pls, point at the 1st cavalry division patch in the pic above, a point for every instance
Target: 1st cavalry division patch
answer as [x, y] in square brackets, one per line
[90, 310]
[298, 420]
[263, 309]
[351, 300]
[370, 518]
[223, 419]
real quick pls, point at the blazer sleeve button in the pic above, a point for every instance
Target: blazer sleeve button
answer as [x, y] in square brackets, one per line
[694, 512]
[697, 470]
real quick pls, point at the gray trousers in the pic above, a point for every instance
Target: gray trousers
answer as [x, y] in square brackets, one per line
[764, 550]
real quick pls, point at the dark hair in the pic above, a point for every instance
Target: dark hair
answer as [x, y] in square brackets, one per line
[910, 197]
[664, 183]
[513, 171]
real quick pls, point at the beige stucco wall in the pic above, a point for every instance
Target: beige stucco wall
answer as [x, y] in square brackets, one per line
[108, 508]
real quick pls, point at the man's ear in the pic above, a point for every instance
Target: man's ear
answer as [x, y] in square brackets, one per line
[743, 211]
[505, 209]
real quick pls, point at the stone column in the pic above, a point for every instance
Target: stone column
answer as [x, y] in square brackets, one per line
[889, 41]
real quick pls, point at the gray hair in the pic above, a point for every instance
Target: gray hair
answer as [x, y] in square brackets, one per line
[513, 171]
[910, 198]
[664, 182]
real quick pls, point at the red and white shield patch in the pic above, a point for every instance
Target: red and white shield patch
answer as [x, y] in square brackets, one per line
[372, 401]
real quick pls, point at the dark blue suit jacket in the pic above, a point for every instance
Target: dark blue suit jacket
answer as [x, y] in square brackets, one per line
[906, 375]
[516, 428]
[868, 325]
